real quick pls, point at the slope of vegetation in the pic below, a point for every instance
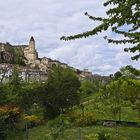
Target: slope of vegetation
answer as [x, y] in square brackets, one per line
[43, 132]
[67, 108]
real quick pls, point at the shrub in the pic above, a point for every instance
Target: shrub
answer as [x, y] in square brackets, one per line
[67, 120]
[87, 119]
[32, 120]
[9, 111]
[73, 119]
[9, 119]
[138, 124]
[104, 136]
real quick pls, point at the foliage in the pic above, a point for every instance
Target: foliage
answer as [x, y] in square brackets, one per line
[112, 96]
[18, 92]
[87, 119]
[15, 55]
[123, 18]
[15, 78]
[130, 72]
[33, 120]
[18, 57]
[131, 89]
[8, 111]
[56, 122]
[3, 71]
[9, 118]
[71, 133]
[12, 90]
[104, 136]
[86, 87]
[124, 87]
[55, 96]
[89, 87]
[60, 92]
[28, 97]
[73, 119]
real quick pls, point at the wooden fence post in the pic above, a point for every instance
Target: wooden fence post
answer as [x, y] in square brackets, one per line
[79, 134]
[26, 132]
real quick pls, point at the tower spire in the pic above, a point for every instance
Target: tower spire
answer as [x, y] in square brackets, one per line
[32, 38]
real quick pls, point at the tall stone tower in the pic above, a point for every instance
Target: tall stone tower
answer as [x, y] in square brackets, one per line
[32, 44]
[30, 52]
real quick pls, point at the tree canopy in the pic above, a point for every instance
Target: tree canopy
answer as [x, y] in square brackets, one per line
[124, 19]
[60, 92]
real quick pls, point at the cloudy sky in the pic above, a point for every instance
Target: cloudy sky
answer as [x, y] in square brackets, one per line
[48, 20]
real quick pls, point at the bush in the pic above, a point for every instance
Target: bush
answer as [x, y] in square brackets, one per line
[9, 119]
[33, 120]
[73, 119]
[87, 119]
[54, 123]
[104, 136]
[9, 111]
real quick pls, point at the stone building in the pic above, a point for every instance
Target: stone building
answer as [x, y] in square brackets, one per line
[86, 73]
[30, 52]
[7, 52]
[36, 68]
[25, 73]
[29, 74]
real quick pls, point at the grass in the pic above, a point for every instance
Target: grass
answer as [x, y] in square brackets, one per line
[102, 112]
[41, 132]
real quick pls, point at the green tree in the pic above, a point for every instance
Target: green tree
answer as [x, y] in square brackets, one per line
[123, 18]
[131, 90]
[18, 92]
[112, 96]
[12, 88]
[87, 87]
[18, 57]
[29, 97]
[60, 92]
[15, 77]
[130, 85]
[130, 72]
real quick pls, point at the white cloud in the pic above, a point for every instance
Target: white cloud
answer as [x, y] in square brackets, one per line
[48, 20]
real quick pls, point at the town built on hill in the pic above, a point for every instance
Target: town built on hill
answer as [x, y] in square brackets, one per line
[31, 66]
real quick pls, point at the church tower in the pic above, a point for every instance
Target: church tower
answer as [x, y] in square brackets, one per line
[32, 44]
[30, 52]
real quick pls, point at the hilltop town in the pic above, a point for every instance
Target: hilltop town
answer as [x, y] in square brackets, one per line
[31, 66]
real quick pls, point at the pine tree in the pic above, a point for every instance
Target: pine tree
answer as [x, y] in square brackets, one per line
[124, 13]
